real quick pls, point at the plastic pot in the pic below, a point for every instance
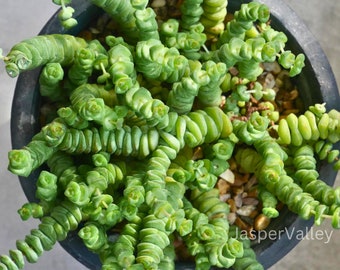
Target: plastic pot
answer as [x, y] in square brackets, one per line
[316, 85]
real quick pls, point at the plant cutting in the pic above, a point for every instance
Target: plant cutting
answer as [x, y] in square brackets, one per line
[132, 112]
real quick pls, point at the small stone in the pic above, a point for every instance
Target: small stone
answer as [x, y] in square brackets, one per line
[269, 81]
[223, 186]
[238, 200]
[225, 197]
[252, 181]
[158, 3]
[250, 201]
[232, 205]
[228, 176]
[273, 67]
[245, 210]
[231, 218]
[293, 94]
[261, 222]
[254, 214]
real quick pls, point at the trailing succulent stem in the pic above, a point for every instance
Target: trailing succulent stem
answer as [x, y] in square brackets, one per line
[148, 118]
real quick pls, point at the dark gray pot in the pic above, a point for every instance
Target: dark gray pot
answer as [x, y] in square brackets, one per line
[316, 83]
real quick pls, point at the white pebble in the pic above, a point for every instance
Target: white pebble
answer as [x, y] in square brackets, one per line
[228, 176]
[246, 210]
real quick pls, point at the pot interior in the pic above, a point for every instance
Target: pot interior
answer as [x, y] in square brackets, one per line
[316, 84]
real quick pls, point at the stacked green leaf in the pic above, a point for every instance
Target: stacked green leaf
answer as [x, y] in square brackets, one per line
[131, 112]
